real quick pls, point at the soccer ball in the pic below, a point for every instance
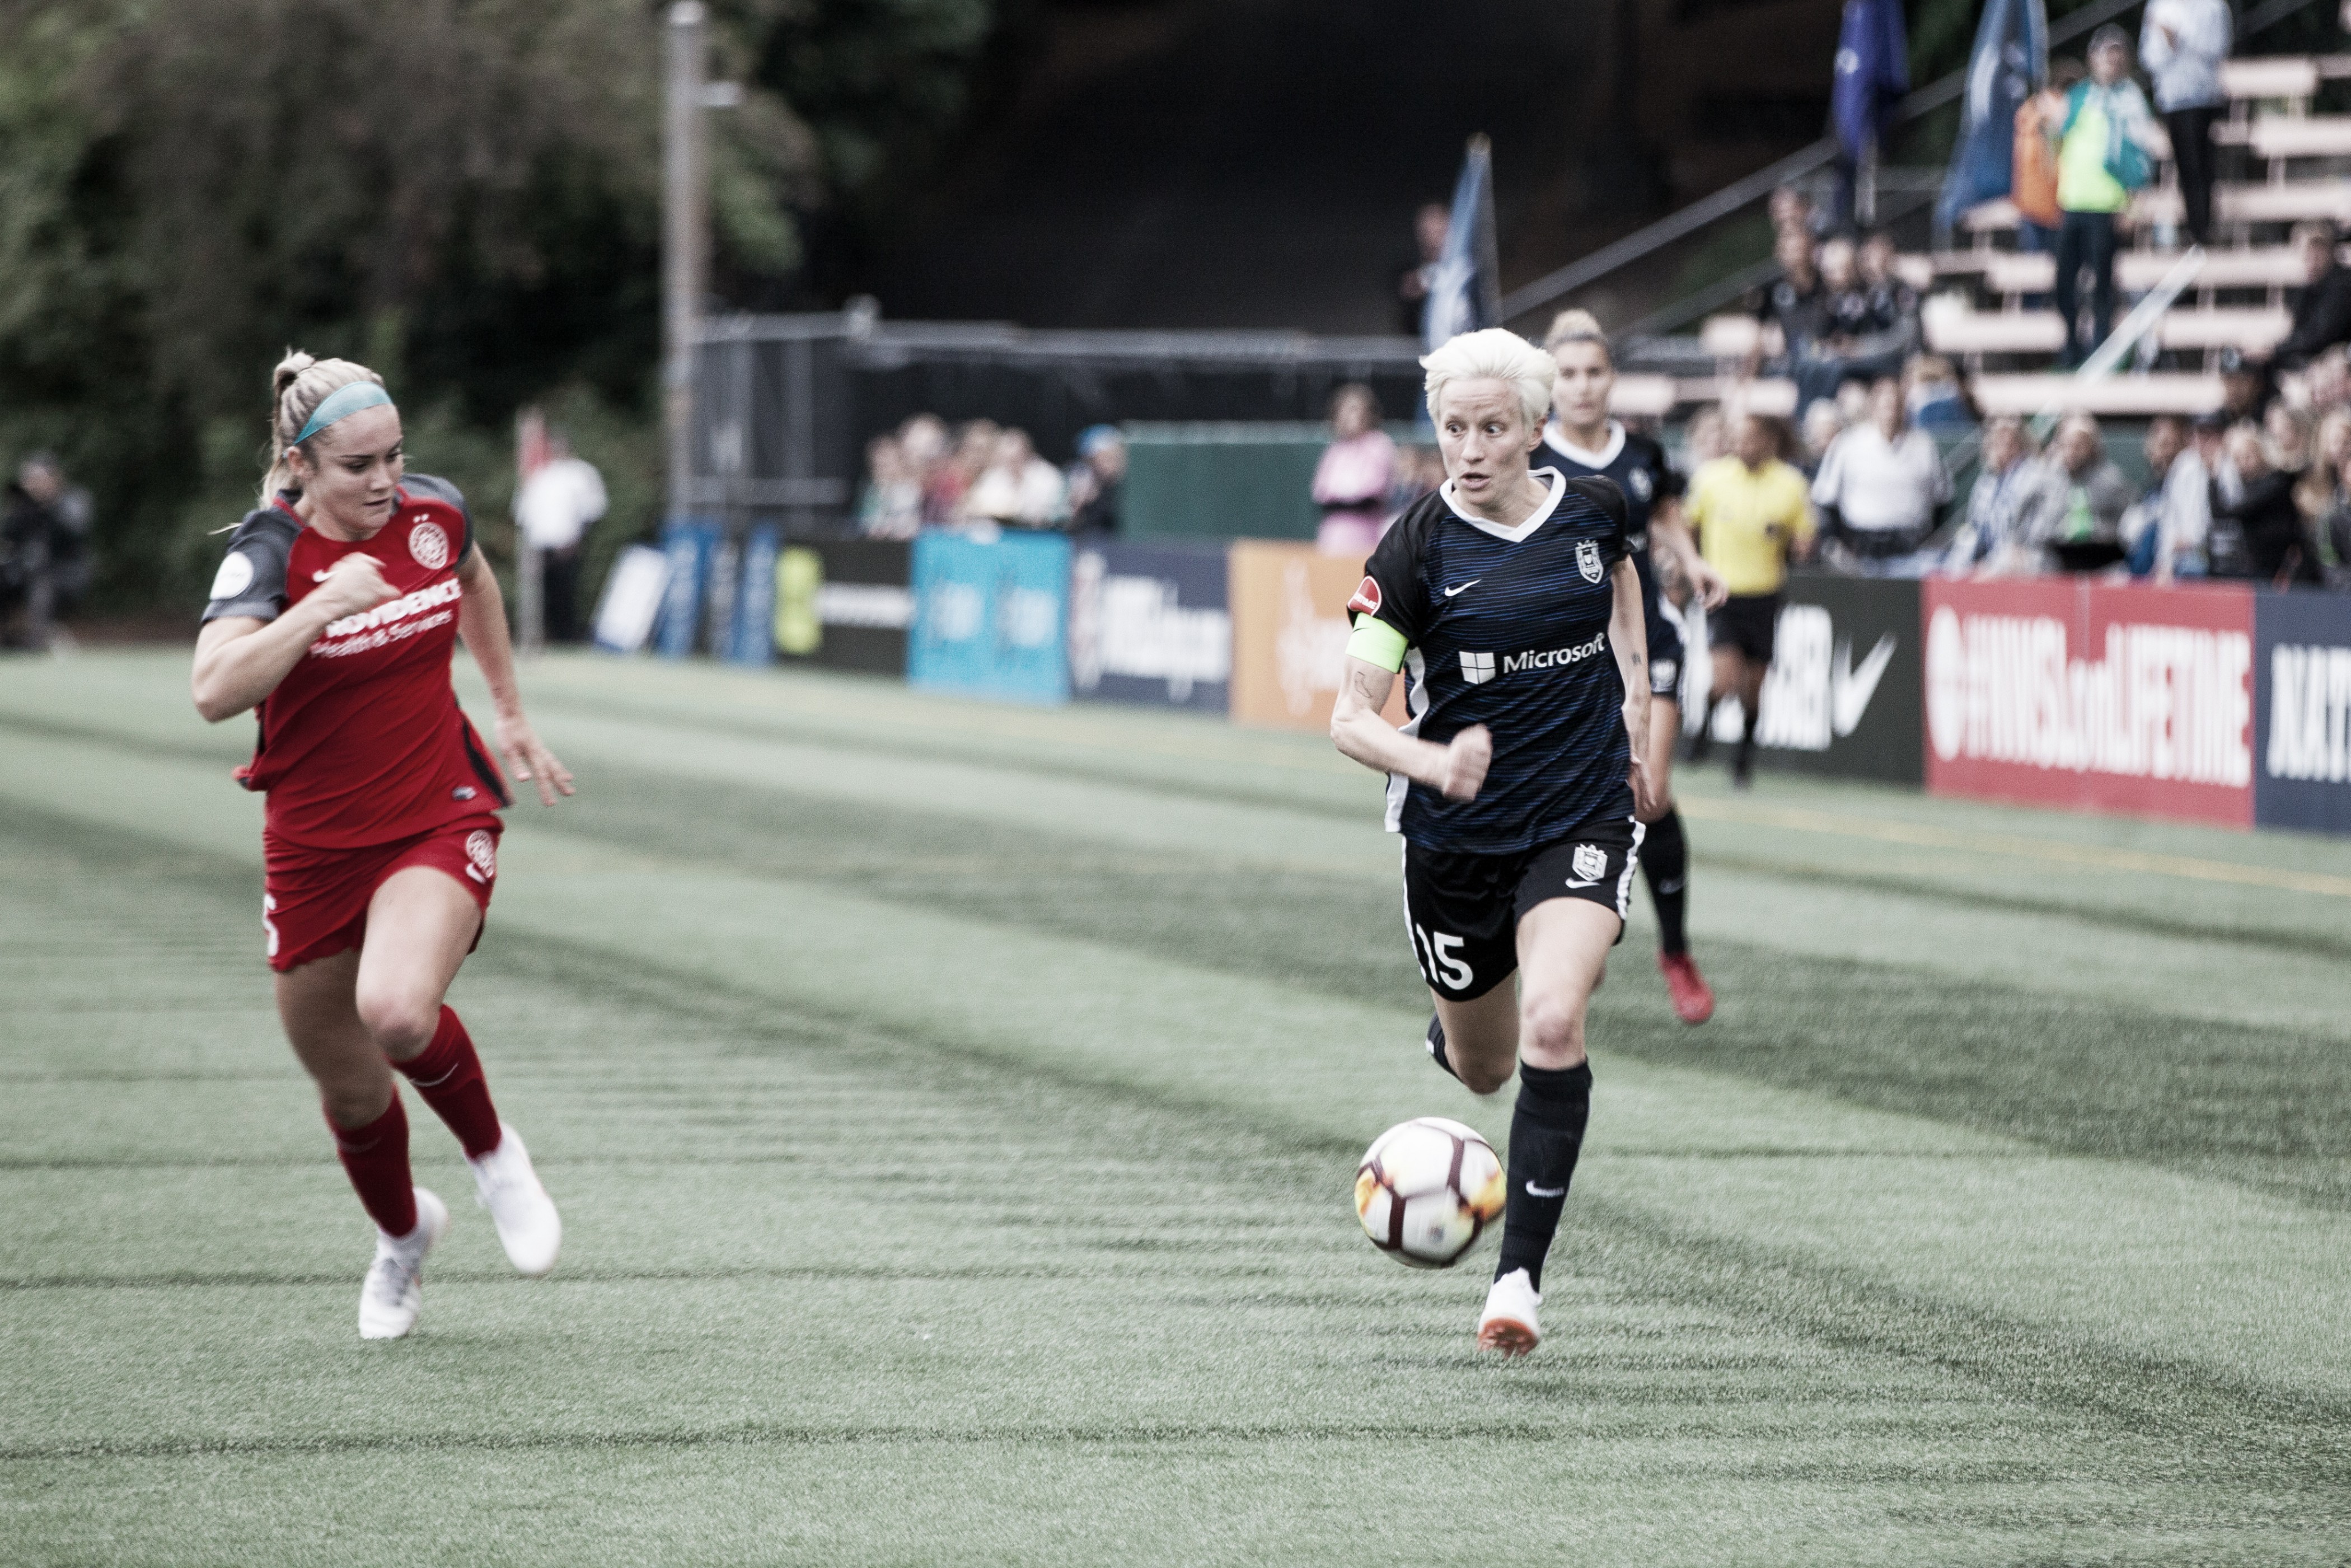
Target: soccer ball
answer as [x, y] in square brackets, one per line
[1426, 1191]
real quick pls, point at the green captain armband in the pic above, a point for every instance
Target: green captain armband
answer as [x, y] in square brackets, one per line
[1377, 643]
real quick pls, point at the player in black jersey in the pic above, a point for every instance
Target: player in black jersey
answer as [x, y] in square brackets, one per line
[1581, 440]
[1510, 601]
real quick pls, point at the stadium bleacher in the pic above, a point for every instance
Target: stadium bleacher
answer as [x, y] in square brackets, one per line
[1986, 303]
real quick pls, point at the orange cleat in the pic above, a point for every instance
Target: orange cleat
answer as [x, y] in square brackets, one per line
[1693, 998]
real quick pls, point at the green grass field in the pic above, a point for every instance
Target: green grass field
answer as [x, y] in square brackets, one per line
[954, 1110]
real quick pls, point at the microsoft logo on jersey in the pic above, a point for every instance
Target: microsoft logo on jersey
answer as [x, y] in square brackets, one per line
[1479, 668]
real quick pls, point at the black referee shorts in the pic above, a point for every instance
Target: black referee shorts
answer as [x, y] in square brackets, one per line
[1747, 622]
[1463, 911]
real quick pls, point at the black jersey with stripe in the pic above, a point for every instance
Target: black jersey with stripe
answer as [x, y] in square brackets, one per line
[1508, 627]
[1634, 462]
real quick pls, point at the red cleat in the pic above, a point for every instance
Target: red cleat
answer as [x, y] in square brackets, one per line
[1693, 998]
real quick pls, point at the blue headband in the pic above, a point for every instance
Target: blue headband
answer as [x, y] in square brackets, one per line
[341, 402]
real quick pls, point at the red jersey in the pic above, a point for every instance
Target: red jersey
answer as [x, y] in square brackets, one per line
[363, 743]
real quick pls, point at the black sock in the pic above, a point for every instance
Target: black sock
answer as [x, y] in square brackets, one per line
[1665, 860]
[1746, 760]
[1437, 1045]
[1546, 1134]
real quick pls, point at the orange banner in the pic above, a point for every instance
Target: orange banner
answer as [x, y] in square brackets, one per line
[1289, 635]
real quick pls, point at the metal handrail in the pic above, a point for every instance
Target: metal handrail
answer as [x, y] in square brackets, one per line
[1555, 285]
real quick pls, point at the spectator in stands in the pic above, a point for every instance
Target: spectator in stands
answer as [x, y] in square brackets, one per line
[2328, 381]
[1018, 488]
[1704, 438]
[1893, 303]
[890, 506]
[1792, 209]
[1793, 309]
[1937, 402]
[2077, 518]
[2183, 43]
[2032, 164]
[2334, 534]
[2319, 490]
[44, 539]
[1095, 480]
[1993, 536]
[922, 448]
[1881, 482]
[2286, 432]
[1418, 470]
[1352, 479]
[1429, 227]
[2246, 389]
[2177, 507]
[2274, 548]
[1822, 424]
[2322, 310]
[954, 476]
[2105, 152]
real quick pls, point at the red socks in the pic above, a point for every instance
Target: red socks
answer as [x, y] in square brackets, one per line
[376, 1159]
[449, 1076]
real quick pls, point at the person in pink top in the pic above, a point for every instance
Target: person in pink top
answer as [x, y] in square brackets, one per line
[1351, 482]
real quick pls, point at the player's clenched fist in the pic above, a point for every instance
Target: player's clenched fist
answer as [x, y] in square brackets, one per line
[1465, 761]
[354, 585]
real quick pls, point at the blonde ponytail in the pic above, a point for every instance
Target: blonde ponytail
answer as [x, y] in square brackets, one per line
[296, 387]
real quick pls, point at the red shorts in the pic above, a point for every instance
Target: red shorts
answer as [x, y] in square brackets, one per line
[315, 902]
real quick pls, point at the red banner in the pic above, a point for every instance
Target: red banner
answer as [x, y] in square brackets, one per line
[2136, 700]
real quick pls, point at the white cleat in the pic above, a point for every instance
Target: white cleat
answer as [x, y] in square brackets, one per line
[1508, 1323]
[506, 1185]
[393, 1292]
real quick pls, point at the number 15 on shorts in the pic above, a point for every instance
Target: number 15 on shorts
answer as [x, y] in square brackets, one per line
[1439, 965]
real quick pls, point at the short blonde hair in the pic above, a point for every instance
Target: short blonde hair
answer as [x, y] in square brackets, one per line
[1495, 354]
[1576, 326]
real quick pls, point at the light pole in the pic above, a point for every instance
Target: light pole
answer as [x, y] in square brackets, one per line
[686, 242]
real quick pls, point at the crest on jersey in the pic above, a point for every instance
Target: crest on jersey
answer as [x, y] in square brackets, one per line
[1587, 559]
[483, 850]
[1640, 483]
[1590, 862]
[1367, 598]
[430, 546]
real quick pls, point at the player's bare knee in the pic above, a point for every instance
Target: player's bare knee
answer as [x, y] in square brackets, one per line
[400, 1022]
[1550, 1031]
[1484, 1077]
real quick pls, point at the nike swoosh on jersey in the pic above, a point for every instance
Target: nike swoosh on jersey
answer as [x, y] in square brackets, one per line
[1851, 689]
[1464, 588]
[1535, 1191]
[1587, 882]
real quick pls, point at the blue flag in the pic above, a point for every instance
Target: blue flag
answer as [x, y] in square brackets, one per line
[1465, 291]
[2010, 61]
[1873, 72]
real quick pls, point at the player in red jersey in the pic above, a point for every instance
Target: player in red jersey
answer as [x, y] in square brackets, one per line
[334, 615]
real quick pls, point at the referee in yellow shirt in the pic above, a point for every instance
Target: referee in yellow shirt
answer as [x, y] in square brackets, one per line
[1752, 513]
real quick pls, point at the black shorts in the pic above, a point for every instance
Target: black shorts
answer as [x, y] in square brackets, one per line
[1463, 911]
[1747, 622]
[1666, 653]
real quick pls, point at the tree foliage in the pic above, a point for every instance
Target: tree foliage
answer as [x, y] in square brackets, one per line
[464, 194]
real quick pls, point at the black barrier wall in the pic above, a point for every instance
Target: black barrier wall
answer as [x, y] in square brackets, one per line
[845, 603]
[1845, 694]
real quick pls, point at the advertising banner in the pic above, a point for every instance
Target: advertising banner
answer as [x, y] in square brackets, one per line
[1290, 634]
[1149, 625]
[845, 603]
[750, 634]
[989, 616]
[2136, 700]
[2302, 706]
[633, 593]
[692, 545]
[1842, 696]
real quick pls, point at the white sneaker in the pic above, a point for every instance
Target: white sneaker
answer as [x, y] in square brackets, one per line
[1508, 1323]
[393, 1292]
[506, 1185]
